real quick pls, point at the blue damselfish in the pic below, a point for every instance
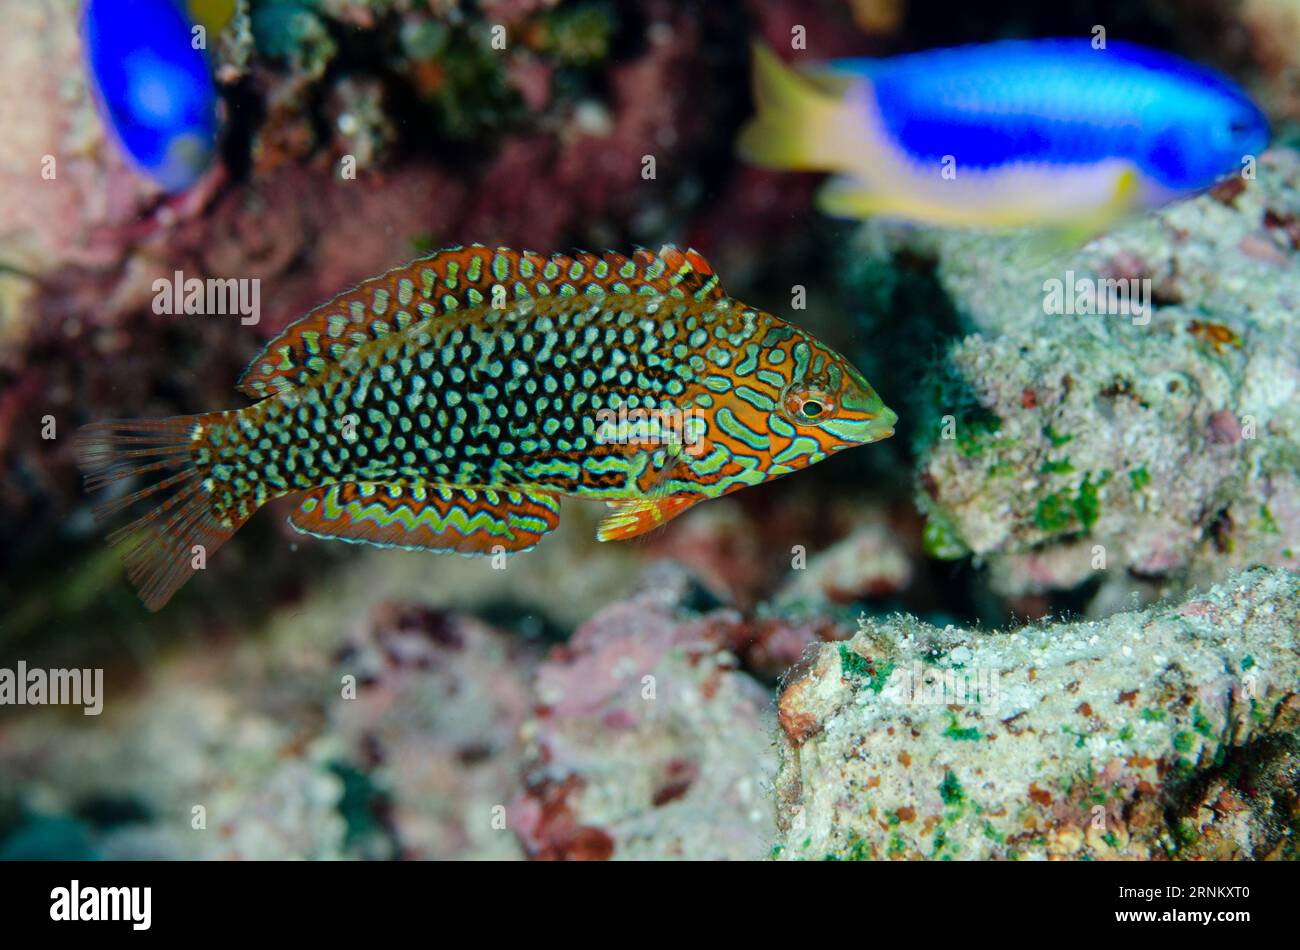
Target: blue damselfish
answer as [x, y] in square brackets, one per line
[153, 86]
[1050, 132]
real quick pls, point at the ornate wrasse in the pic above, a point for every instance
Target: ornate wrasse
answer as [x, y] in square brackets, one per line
[448, 404]
[1047, 132]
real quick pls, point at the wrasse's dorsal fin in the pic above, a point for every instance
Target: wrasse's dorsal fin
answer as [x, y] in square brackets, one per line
[691, 273]
[428, 517]
[460, 278]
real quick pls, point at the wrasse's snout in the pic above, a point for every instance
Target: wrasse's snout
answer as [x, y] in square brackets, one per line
[888, 419]
[864, 418]
[880, 427]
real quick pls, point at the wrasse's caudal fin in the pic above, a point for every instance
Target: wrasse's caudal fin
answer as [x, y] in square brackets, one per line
[797, 122]
[162, 547]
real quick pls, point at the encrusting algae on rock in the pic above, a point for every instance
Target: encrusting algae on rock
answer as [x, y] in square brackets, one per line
[1152, 452]
[1172, 733]
[448, 404]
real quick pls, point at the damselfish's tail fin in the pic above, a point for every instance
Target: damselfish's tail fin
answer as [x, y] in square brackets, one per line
[798, 119]
[164, 546]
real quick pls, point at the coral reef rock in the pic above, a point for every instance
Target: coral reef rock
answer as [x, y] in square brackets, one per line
[1165, 441]
[648, 742]
[1165, 733]
[439, 699]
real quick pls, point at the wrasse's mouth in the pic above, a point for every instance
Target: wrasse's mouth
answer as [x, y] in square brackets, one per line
[863, 428]
[882, 426]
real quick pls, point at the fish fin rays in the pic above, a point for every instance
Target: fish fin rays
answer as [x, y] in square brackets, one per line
[655, 506]
[166, 544]
[637, 516]
[463, 278]
[1054, 246]
[690, 273]
[796, 117]
[847, 196]
[427, 517]
[1125, 198]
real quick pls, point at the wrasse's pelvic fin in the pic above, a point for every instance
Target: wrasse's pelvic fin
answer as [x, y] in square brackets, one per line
[461, 278]
[639, 515]
[428, 517]
[163, 547]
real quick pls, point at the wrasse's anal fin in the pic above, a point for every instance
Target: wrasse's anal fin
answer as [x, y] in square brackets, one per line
[428, 517]
[639, 515]
[458, 279]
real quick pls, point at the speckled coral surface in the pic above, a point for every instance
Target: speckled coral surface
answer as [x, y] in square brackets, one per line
[1166, 443]
[648, 741]
[1169, 732]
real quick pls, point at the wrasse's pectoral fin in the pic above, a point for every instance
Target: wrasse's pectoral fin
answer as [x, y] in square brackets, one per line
[428, 517]
[639, 515]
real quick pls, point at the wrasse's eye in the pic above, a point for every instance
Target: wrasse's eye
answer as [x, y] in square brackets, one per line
[808, 405]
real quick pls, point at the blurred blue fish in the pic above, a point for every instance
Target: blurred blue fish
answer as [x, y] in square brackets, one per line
[154, 88]
[1048, 133]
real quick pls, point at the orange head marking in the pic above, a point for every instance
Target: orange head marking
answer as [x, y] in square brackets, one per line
[791, 402]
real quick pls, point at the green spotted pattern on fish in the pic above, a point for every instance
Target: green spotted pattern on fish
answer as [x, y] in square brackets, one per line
[448, 405]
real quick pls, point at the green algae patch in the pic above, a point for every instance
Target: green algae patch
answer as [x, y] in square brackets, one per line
[1061, 511]
[1057, 467]
[969, 734]
[1267, 524]
[1054, 513]
[577, 36]
[1201, 724]
[978, 431]
[941, 540]
[1056, 438]
[853, 663]
[858, 850]
[950, 789]
[1086, 504]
